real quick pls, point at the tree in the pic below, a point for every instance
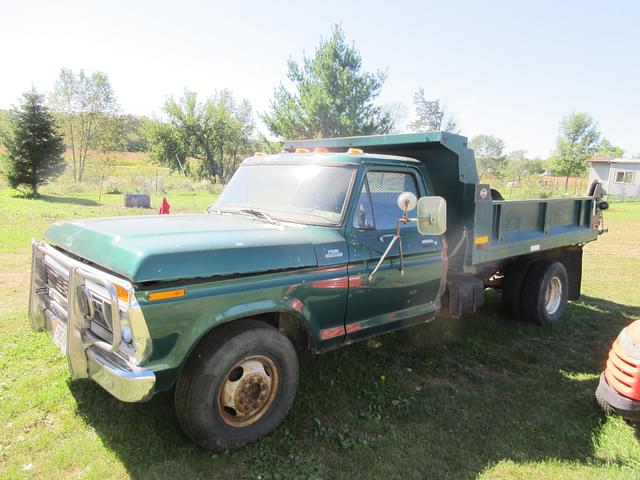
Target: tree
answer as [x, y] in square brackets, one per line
[4, 120]
[34, 146]
[263, 144]
[489, 156]
[401, 114]
[119, 133]
[605, 149]
[333, 95]
[82, 100]
[216, 131]
[431, 116]
[165, 144]
[518, 165]
[578, 141]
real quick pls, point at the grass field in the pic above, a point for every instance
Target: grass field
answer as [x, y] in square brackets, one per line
[483, 396]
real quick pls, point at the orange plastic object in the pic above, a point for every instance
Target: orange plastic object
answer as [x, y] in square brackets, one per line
[623, 364]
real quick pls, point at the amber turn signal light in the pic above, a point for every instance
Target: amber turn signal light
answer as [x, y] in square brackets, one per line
[166, 294]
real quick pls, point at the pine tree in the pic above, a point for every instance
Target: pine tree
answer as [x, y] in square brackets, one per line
[34, 147]
[333, 95]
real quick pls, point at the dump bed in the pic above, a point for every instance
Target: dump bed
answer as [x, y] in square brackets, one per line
[494, 229]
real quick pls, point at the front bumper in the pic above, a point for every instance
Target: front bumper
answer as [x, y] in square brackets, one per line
[124, 381]
[624, 406]
[87, 356]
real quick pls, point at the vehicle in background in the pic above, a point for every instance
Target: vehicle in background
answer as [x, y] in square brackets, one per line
[619, 387]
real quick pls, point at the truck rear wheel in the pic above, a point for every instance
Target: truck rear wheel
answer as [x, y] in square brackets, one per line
[238, 385]
[545, 291]
[512, 286]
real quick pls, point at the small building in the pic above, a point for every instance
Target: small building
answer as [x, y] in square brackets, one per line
[620, 177]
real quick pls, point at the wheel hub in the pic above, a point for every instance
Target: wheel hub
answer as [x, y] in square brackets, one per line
[252, 393]
[553, 296]
[248, 391]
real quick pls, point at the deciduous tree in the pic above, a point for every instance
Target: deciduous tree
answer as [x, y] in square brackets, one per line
[82, 100]
[34, 147]
[332, 95]
[431, 115]
[518, 165]
[578, 141]
[606, 149]
[216, 131]
[489, 154]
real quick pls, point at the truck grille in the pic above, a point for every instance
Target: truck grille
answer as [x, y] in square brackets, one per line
[57, 280]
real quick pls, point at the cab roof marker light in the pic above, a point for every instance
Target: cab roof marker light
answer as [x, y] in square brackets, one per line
[321, 150]
[302, 150]
[355, 151]
[259, 154]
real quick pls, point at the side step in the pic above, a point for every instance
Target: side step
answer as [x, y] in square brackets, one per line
[463, 294]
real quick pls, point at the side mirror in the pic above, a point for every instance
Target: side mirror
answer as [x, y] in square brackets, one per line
[407, 201]
[432, 215]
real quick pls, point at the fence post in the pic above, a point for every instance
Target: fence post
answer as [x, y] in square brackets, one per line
[100, 194]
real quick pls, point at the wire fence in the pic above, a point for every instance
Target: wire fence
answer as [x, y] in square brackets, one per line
[129, 173]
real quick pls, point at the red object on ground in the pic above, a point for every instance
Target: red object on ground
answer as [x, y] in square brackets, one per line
[619, 387]
[623, 364]
[165, 208]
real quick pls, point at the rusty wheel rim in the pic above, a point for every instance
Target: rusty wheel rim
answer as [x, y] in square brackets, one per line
[248, 390]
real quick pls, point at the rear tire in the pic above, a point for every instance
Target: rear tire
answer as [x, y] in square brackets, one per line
[512, 286]
[545, 292]
[237, 386]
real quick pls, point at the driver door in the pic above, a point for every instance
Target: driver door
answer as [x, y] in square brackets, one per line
[390, 299]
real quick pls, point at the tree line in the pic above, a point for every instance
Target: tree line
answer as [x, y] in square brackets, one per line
[331, 95]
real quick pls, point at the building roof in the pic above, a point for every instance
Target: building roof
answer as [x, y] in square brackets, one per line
[614, 160]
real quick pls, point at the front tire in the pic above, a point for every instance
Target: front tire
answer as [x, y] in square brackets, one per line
[237, 386]
[545, 292]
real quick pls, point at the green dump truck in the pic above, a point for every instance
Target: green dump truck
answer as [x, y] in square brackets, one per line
[330, 242]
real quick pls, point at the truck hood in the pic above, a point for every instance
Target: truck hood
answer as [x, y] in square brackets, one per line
[171, 247]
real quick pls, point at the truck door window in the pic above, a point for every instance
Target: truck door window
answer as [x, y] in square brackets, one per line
[377, 206]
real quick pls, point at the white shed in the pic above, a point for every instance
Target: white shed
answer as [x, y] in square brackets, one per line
[620, 177]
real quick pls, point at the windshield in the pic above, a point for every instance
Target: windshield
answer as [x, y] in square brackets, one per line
[312, 194]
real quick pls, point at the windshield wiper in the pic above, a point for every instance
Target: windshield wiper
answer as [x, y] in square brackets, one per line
[256, 212]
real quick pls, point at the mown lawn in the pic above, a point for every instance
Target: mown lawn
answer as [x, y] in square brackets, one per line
[483, 396]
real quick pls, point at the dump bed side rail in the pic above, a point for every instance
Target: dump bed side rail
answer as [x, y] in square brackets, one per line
[510, 228]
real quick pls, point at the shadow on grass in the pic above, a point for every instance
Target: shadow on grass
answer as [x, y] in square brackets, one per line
[86, 202]
[443, 400]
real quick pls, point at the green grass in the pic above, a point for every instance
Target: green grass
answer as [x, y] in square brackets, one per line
[482, 396]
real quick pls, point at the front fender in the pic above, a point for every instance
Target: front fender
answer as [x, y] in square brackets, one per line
[176, 326]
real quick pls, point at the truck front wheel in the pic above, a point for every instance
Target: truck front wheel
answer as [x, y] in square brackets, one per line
[545, 291]
[237, 386]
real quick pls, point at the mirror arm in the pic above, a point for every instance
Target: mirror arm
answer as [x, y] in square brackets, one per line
[395, 238]
[404, 220]
[383, 257]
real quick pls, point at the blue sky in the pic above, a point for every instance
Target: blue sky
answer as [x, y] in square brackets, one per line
[510, 69]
